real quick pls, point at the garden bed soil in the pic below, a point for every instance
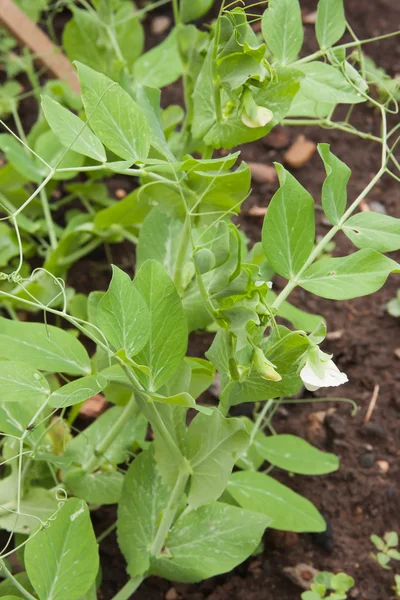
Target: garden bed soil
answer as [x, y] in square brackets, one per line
[362, 498]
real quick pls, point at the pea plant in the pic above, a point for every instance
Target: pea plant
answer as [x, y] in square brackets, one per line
[192, 484]
[330, 586]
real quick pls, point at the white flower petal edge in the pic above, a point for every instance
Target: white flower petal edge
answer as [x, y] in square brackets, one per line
[328, 376]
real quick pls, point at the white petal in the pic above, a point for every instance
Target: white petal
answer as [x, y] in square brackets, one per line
[331, 376]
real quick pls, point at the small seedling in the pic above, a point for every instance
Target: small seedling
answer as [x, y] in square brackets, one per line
[387, 548]
[329, 586]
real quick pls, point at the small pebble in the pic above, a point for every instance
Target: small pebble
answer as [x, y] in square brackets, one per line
[383, 465]
[120, 193]
[262, 173]
[310, 18]
[172, 594]
[367, 460]
[377, 207]
[299, 152]
[336, 425]
[373, 430]
[93, 407]
[160, 24]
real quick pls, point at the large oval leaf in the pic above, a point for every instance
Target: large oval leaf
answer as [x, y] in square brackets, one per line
[113, 115]
[359, 274]
[294, 454]
[21, 383]
[69, 550]
[282, 29]
[289, 511]
[373, 230]
[43, 347]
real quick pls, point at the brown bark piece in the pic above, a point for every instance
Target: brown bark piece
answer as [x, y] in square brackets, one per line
[262, 173]
[28, 34]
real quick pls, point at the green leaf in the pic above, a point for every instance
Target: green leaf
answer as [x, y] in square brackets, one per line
[128, 213]
[37, 503]
[282, 29]
[331, 22]
[69, 550]
[324, 83]
[358, 274]
[213, 539]
[202, 375]
[391, 538]
[71, 130]
[113, 115]
[122, 314]
[190, 10]
[167, 343]
[310, 596]
[295, 455]
[373, 230]
[22, 159]
[289, 226]
[53, 152]
[213, 445]
[334, 193]
[143, 500]
[182, 399]
[77, 391]
[161, 65]
[43, 347]
[148, 100]
[377, 541]
[341, 582]
[7, 587]
[80, 449]
[22, 383]
[85, 41]
[159, 239]
[95, 488]
[288, 510]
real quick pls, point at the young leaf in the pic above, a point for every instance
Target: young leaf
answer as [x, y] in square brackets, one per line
[21, 159]
[77, 391]
[213, 539]
[373, 230]
[298, 318]
[37, 503]
[289, 226]
[159, 240]
[71, 130]
[295, 455]
[80, 449]
[190, 10]
[161, 65]
[213, 445]
[113, 115]
[95, 488]
[21, 383]
[334, 194]
[43, 347]
[358, 274]
[325, 83]
[143, 500]
[288, 510]
[282, 29]
[122, 314]
[331, 22]
[49, 147]
[167, 342]
[69, 550]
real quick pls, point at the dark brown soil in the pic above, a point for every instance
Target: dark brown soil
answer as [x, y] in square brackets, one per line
[357, 501]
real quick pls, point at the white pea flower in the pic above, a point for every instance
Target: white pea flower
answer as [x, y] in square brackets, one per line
[320, 371]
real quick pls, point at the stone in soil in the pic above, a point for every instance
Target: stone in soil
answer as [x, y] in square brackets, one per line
[373, 430]
[299, 152]
[277, 139]
[367, 460]
[160, 24]
[261, 173]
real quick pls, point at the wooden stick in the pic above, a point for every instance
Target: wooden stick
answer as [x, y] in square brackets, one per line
[372, 403]
[29, 34]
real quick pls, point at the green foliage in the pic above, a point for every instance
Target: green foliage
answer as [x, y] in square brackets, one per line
[192, 499]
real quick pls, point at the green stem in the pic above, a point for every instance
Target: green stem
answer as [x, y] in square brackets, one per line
[326, 239]
[260, 419]
[75, 256]
[170, 511]
[129, 588]
[99, 451]
[48, 218]
[175, 8]
[106, 532]
[19, 587]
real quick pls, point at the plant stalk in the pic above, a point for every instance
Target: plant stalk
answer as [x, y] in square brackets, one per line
[129, 588]
[170, 511]
[19, 587]
[98, 454]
